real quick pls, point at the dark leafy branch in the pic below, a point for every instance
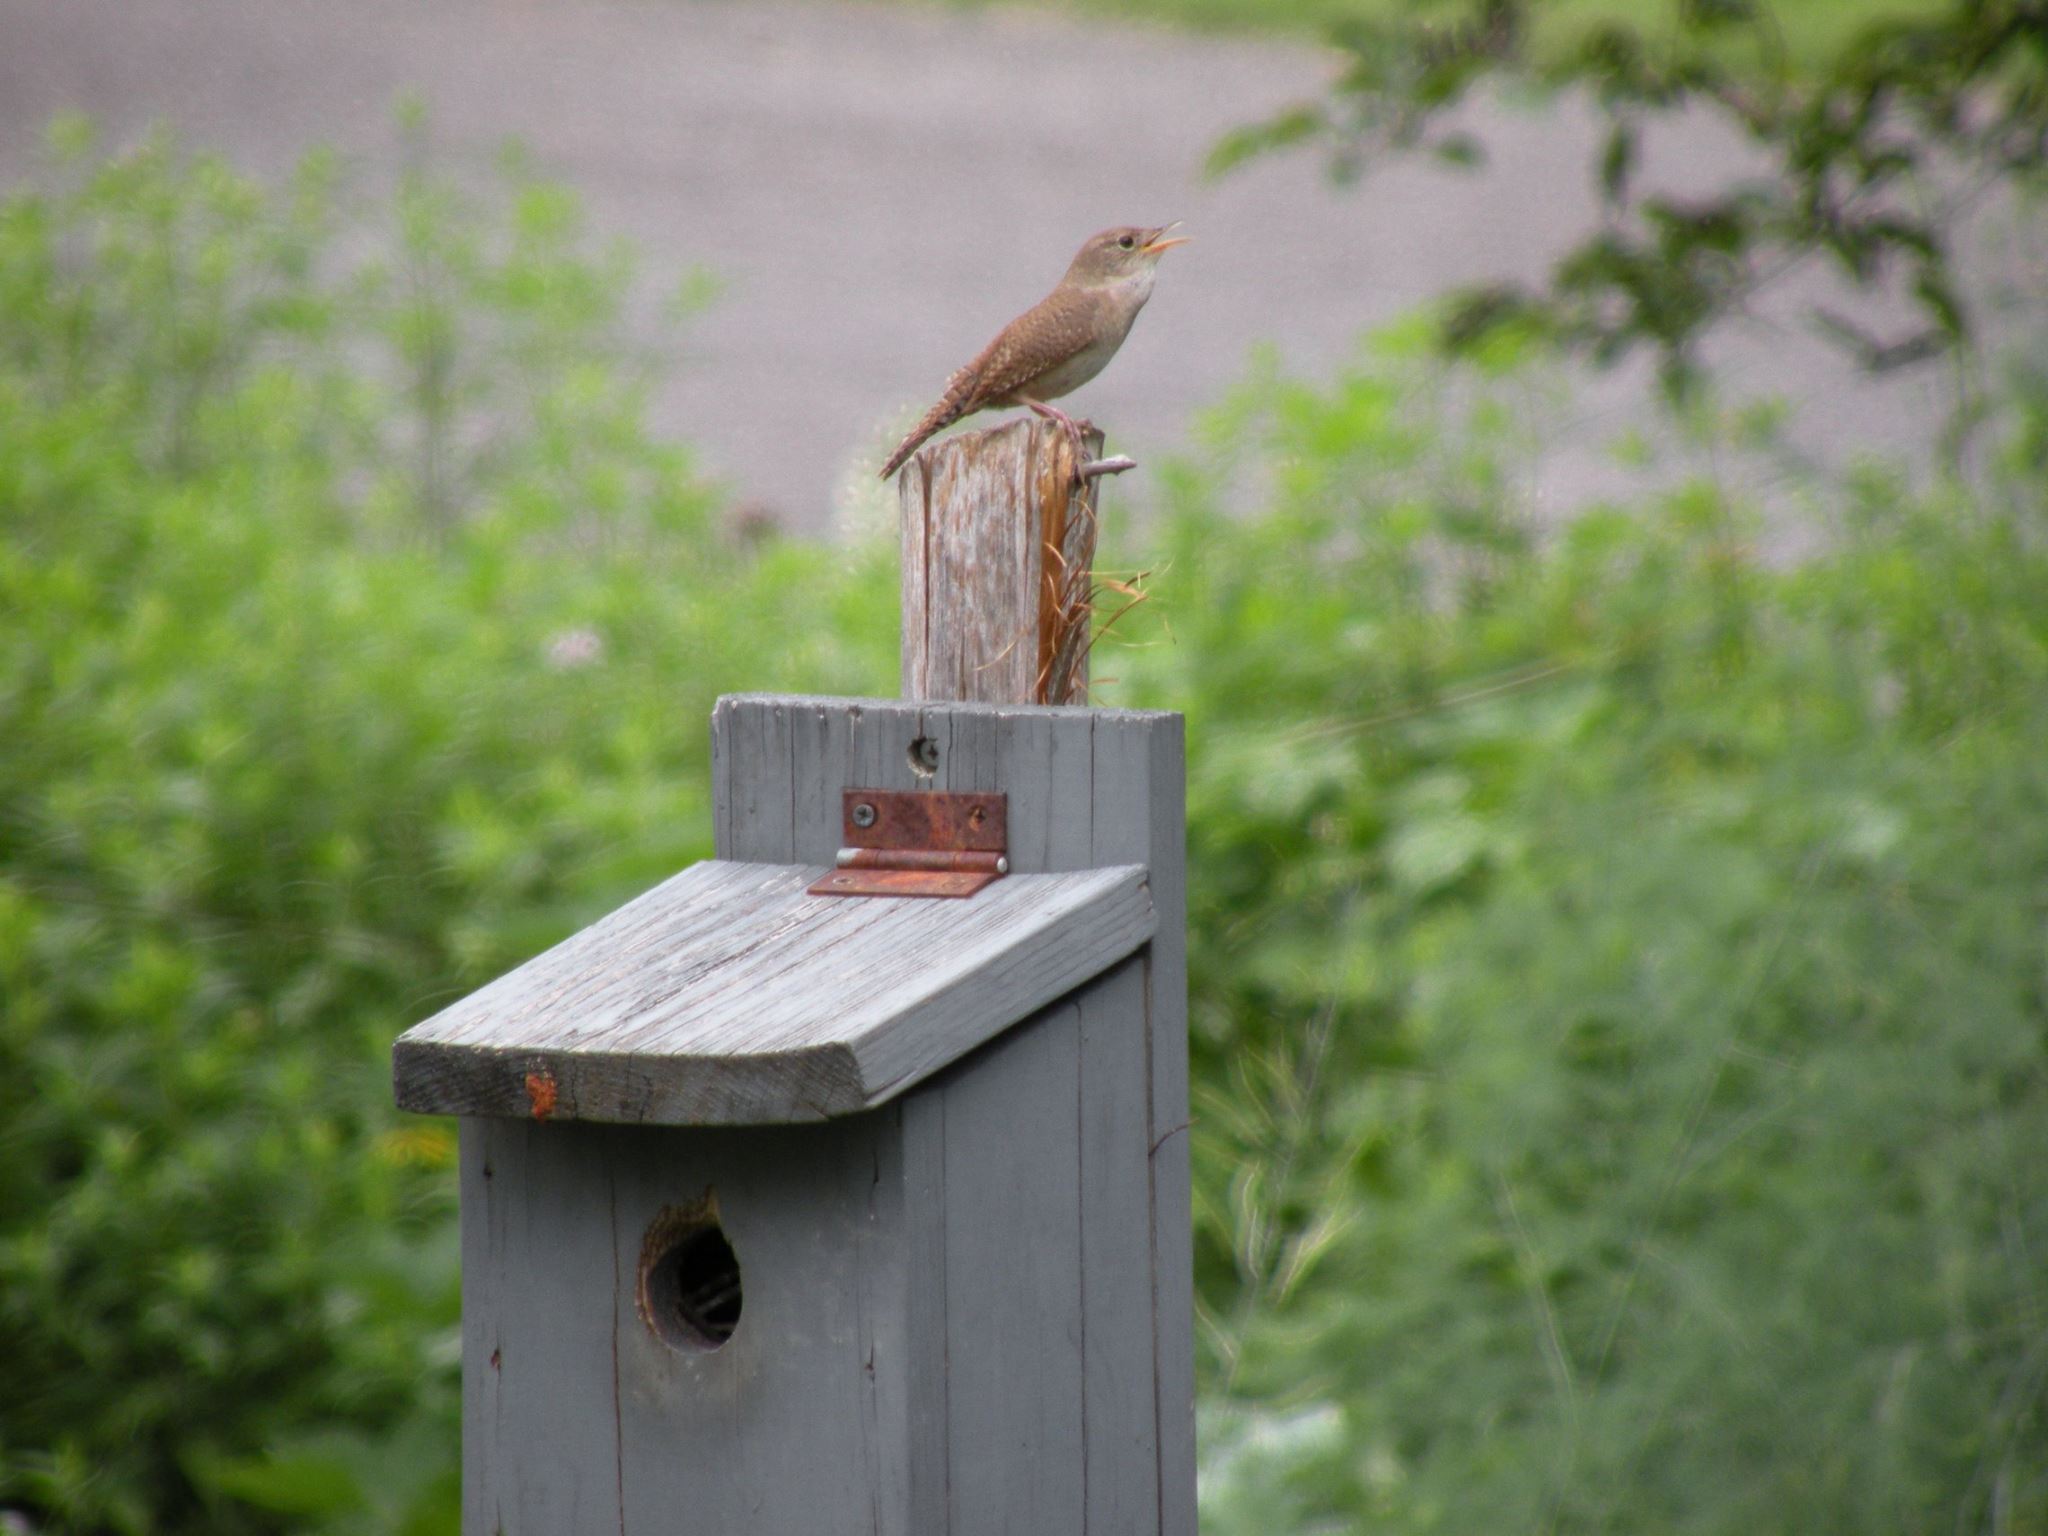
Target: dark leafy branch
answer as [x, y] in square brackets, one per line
[1869, 145]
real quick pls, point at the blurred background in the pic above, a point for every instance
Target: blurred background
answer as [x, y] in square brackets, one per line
[1594, 509]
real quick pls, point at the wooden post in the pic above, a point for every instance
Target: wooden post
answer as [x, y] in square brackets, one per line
[998, 566]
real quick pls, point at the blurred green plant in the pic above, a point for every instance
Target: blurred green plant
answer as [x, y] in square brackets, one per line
[1803, 20]
[1618, 1008]
[1619, 1014]
[354, 627]
[1871, 130]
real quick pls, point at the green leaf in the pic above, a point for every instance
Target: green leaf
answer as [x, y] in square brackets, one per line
[305, 1484]
[1293, 126]
[1617, 160]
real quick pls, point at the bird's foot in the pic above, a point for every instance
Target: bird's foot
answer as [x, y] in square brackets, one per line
[1075, 430]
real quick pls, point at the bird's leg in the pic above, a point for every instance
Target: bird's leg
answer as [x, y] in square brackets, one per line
[1066, 424]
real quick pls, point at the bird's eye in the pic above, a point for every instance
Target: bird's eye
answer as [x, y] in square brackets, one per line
[1126, 241]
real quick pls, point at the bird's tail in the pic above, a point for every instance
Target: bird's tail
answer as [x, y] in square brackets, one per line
[942, 415]
[953, 404]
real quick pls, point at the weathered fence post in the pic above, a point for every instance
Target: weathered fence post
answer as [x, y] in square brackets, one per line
[793, 1213]
[998, 563]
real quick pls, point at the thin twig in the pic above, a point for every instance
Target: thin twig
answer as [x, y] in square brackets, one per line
[1115, 464]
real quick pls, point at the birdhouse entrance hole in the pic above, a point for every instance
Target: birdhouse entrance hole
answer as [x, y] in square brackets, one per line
[689, 1292]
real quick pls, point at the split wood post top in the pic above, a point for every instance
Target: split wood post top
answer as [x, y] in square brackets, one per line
[998, 532]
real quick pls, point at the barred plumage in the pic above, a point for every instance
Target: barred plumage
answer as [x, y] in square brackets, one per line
[1058, 344]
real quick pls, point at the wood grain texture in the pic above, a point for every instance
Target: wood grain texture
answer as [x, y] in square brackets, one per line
[580, 1421]
[1157, 761]
[1119, 1410]
[926, 1388]
[966, 1312]
[1015, 1367]
[1045, 1275]
[1086, 788]
[945, 1321]
[998, 549]
[728, 995]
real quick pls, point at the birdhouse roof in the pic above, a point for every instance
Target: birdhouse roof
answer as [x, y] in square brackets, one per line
[728, 995]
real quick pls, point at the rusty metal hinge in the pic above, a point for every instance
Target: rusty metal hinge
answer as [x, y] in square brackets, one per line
[919, 842]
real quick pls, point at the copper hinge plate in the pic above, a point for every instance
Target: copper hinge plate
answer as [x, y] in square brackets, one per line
[917, 842]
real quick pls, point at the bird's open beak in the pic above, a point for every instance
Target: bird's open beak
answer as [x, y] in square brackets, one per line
[1158, 241]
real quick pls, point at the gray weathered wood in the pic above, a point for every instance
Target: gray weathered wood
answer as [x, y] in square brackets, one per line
[1047, 1264]
[579, 1421]
[727, 995]
[943, 1324]
[1015, 1351]
[1120, 1413]
[525, 1353]
[998, 543]
[1150, 773]
[926, 1446]
[965, 1312]
[1086, 788]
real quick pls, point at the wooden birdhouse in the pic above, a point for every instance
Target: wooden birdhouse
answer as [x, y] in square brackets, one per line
[840, 1182]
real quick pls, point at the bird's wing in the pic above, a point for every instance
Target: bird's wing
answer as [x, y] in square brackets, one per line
[998, 370]
[1018, 354]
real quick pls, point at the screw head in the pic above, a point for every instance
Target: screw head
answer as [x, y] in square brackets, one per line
[863, 814]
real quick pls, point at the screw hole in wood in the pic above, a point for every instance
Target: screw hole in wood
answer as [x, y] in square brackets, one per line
[689, 1285]
[924, 757]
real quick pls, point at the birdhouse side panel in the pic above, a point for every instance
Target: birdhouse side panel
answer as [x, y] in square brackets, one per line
[1038, 1178]
[595, 1399]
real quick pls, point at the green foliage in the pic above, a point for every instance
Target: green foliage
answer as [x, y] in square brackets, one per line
[1873, 130]
[355, 625]
[1618, 1008]
[1619, 1016]
[1807, 26]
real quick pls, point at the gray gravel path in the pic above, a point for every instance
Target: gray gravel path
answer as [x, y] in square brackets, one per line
[881, 187]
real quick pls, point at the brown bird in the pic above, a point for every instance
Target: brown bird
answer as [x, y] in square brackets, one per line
[1058, 344]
